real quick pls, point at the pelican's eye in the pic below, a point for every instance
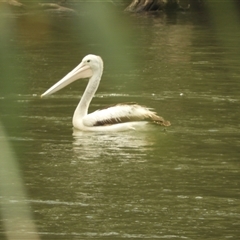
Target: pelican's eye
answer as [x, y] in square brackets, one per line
[88, 60]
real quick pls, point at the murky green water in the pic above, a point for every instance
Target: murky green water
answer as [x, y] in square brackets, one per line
[182, 183]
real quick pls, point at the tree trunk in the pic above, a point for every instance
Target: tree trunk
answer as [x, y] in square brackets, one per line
[153, 5]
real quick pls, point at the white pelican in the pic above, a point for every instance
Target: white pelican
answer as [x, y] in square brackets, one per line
[120, 117]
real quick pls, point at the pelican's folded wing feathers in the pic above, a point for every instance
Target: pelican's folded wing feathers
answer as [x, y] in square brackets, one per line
[122, 113]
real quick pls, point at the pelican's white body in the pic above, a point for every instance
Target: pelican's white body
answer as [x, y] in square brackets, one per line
[117, 112]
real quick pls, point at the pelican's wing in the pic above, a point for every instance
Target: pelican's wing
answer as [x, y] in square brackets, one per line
[122, 113]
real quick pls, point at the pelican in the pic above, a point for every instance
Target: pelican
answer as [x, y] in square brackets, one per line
[120, 117]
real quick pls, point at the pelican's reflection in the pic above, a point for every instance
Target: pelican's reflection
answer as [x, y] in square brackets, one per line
[126, 145]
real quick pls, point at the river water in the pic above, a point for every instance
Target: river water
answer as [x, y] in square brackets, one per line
[176, 183]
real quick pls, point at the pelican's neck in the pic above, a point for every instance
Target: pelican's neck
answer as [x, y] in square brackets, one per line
[82, 108]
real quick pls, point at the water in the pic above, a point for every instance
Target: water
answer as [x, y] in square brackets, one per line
[178, 183]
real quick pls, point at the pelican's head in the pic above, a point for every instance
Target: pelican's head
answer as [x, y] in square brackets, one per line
[93, 61]
[88, 66]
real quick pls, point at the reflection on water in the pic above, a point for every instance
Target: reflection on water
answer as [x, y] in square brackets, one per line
[182, 183]
[91, 146]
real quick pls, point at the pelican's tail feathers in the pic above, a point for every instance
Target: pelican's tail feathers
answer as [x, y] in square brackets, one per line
[159, 120]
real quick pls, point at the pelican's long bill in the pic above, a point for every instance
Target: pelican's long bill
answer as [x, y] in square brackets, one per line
[81, 71]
